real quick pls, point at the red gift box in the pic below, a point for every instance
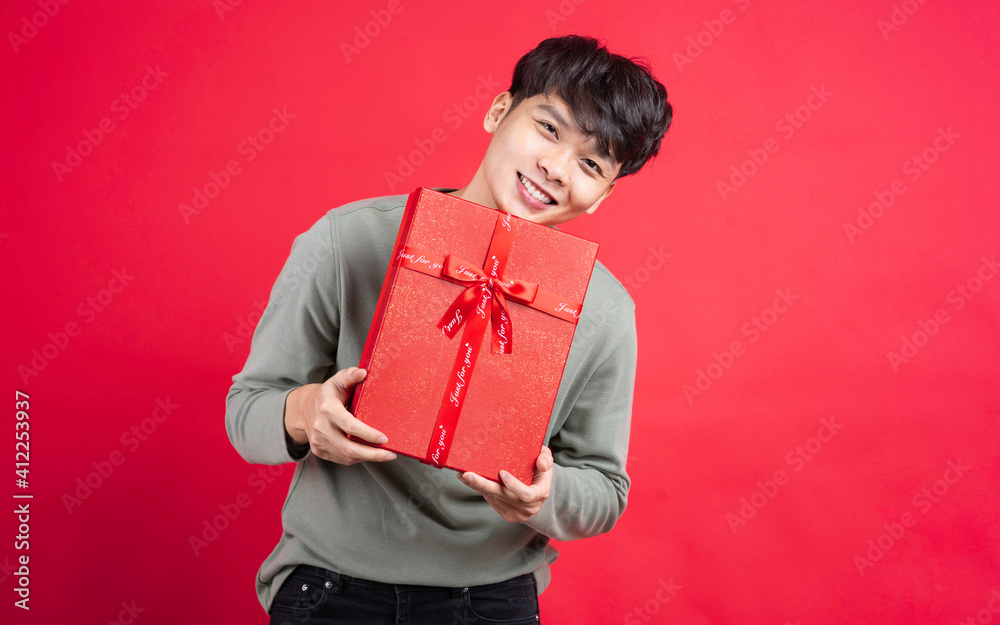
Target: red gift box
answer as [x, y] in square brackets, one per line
[470, 338]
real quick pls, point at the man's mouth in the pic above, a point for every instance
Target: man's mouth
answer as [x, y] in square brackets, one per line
[535, 192]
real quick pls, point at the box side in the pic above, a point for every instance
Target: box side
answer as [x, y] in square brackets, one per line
[384, 295]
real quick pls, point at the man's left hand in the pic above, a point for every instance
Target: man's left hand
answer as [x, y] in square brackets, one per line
[514, 500]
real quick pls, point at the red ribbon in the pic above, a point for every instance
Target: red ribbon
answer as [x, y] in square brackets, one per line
[486, 288]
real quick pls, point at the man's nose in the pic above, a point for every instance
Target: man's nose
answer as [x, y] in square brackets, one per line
[555, 163]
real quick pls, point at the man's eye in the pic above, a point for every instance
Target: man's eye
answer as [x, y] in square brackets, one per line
[548, 127]
[592, 165]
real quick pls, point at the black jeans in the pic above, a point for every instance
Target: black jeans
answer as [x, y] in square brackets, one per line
[320, 597]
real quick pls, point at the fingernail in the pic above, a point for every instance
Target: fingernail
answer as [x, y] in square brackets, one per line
[462, 477]
[382, 440]
[391, 456]
[504, 475]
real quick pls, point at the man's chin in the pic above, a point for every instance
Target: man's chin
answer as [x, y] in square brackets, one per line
[525, 212]
[526, 215]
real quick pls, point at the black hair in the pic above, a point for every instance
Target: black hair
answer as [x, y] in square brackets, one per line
[613, 98]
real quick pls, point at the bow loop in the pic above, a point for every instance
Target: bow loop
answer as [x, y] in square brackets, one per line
[463, 270]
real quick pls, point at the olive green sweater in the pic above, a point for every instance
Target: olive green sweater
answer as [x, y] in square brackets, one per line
[402, 521]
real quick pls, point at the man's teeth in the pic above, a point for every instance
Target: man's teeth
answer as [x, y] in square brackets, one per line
[535, 193]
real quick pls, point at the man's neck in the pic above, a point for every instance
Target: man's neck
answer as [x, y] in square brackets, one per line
[477, 191]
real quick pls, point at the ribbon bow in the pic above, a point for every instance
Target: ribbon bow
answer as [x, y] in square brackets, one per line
[484, 290]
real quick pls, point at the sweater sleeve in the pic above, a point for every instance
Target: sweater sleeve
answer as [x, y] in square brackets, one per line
[294, 344]
[589, 484]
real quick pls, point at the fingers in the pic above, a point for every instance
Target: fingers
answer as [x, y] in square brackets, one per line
[332, 404]
[347, 452]
[349, 424]
[511, 490]
[481, 485]
[329, 440]
[351, 453]
[330, 423]
[513, 501]
[537, 492]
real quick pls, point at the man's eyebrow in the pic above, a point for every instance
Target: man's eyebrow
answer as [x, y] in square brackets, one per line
[605, 154]
[554, 112]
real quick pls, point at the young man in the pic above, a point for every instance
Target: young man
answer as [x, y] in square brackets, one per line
[371, 538]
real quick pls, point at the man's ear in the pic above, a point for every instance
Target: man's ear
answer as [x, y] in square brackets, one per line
[593, 209]
[498, 110]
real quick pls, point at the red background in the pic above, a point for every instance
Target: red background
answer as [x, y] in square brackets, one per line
[858, 294]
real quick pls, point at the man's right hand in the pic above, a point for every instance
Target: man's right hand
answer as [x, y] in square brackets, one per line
[316, 414]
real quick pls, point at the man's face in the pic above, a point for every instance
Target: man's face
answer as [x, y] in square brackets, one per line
[539, 165]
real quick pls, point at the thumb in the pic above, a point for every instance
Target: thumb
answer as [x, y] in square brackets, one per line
[544, 462]
[345, 380]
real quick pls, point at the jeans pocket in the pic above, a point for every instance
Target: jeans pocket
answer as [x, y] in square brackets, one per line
[513, 602]
[302, 590]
